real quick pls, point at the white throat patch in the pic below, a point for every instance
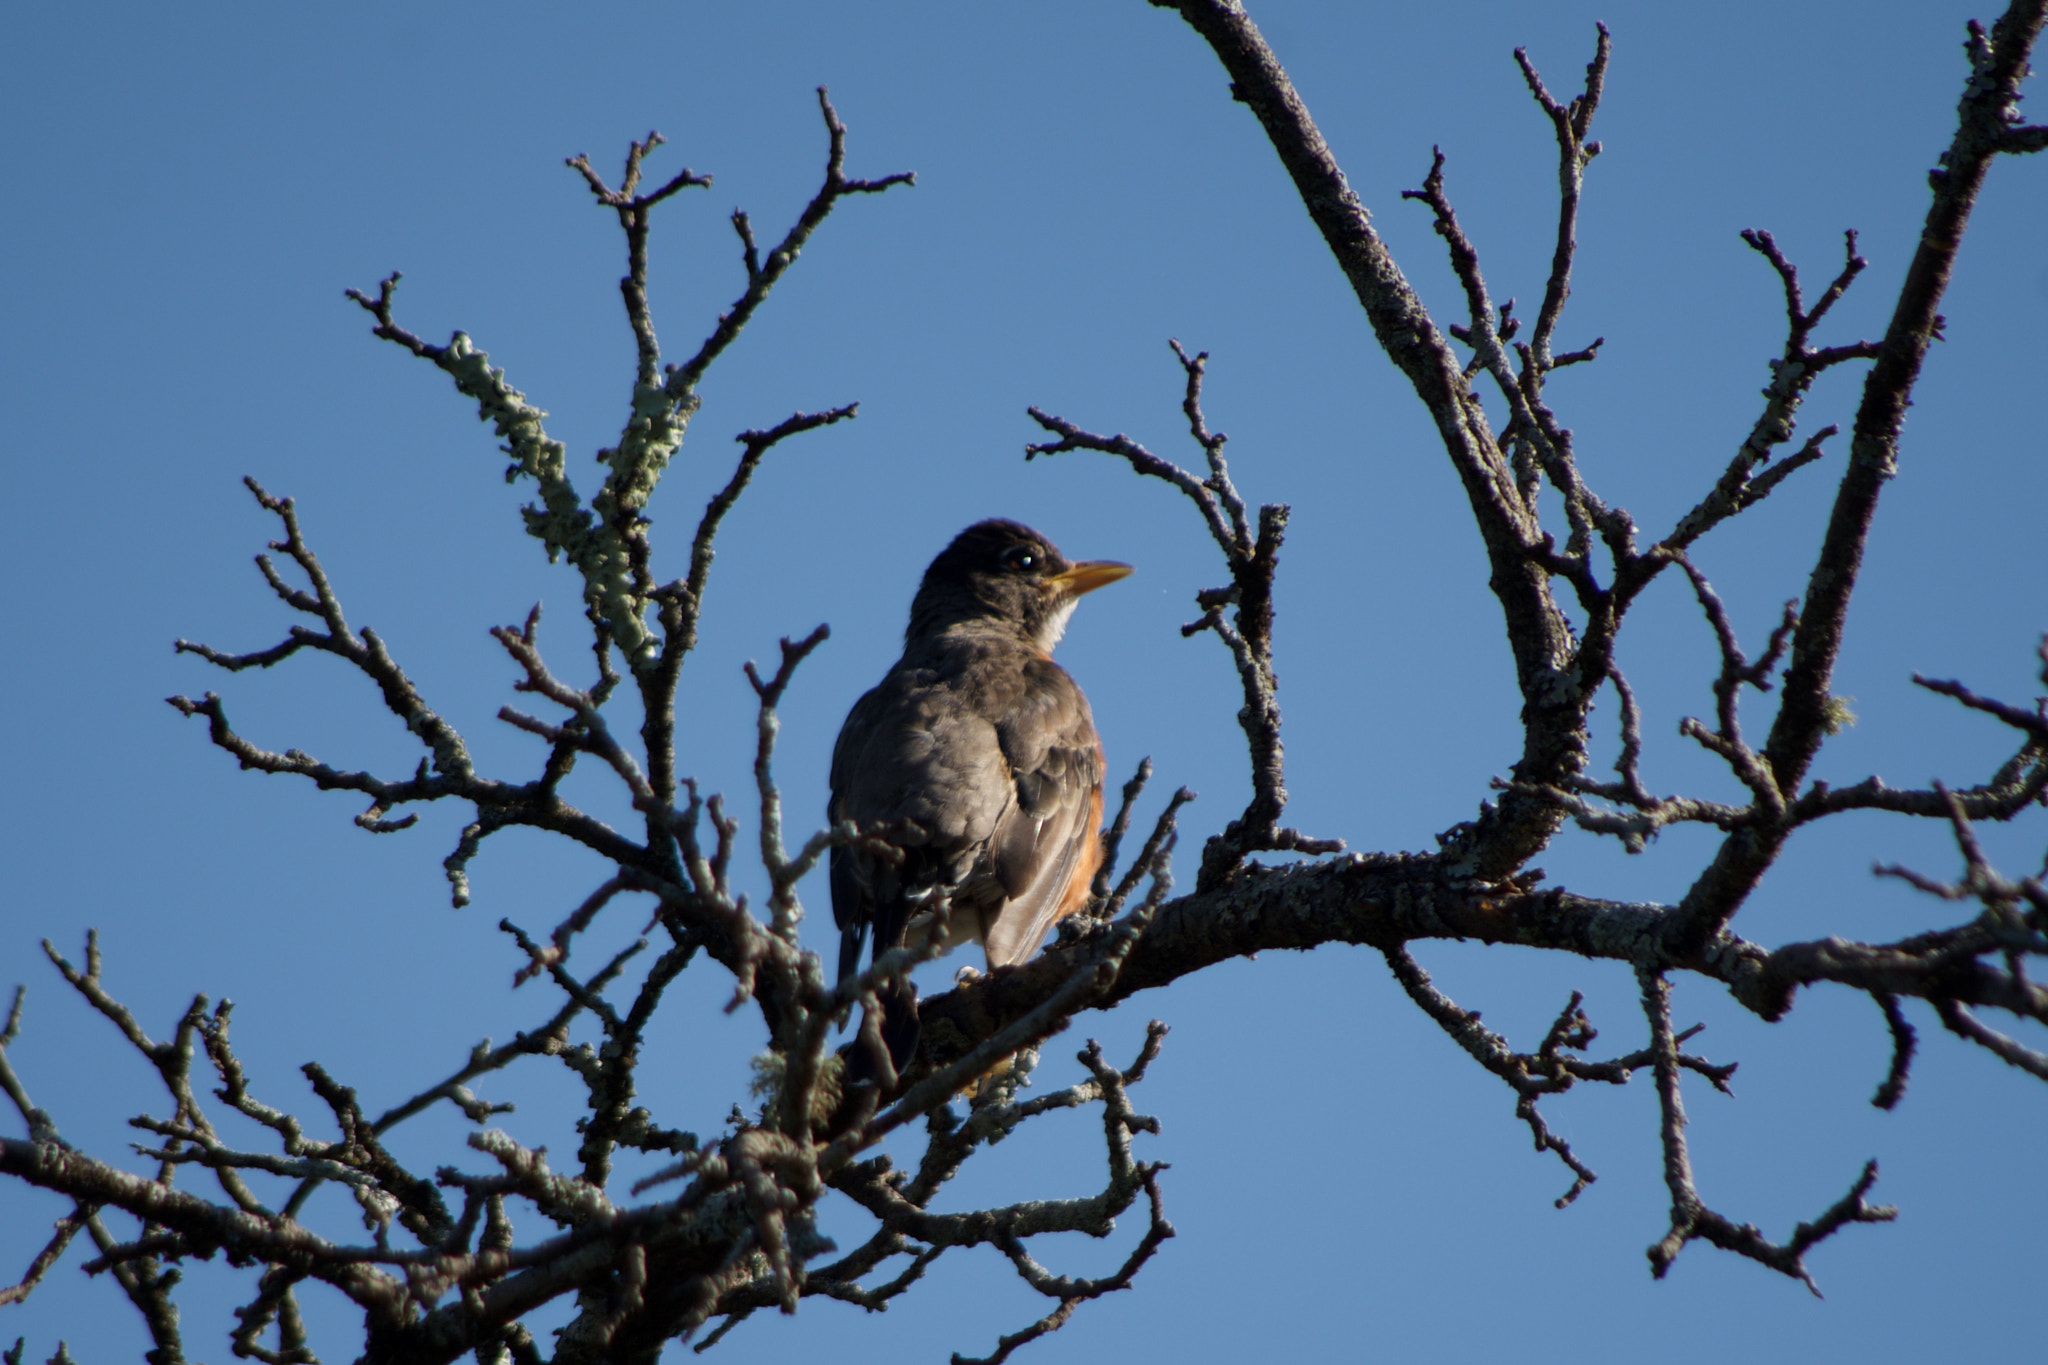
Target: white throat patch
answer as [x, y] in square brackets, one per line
[1056, 625]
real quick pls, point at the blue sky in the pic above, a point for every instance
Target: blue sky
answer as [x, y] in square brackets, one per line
[193, 187]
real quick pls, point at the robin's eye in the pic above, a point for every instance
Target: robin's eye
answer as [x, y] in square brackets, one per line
[1019, 559]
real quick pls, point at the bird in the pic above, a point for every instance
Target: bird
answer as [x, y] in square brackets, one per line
[977, 759]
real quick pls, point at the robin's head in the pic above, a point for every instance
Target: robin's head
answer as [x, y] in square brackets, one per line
[1005, 574]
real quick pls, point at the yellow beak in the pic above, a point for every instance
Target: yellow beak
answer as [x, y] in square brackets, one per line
[1088, 576]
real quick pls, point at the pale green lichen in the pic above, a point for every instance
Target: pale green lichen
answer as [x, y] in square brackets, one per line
[651, 438]
[771, 1072]
[560, 520]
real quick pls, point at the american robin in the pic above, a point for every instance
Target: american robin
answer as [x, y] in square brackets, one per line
[979, 755]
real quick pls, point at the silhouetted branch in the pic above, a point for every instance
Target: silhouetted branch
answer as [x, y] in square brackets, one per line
[448, 1264]
[1690, 1216]
[1253, 559]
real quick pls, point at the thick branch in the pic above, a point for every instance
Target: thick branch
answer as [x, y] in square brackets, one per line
[1538, 634]
[1387, 900]
[1998, 67]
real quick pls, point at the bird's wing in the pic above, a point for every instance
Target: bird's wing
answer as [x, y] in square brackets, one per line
[1045, 847]
[852, 901]
[911, 757]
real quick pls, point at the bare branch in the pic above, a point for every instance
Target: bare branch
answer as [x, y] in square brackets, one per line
[1505, 835]
[1903, 1044]
[1792, 375]
[67, 1228]
[2032, 723]
[1253, 560]
[1574, 154]
[1690, 1217]
[1998, 66]
[682, 380]
[787, 910]
[1963, 1024]
[441, 1271]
